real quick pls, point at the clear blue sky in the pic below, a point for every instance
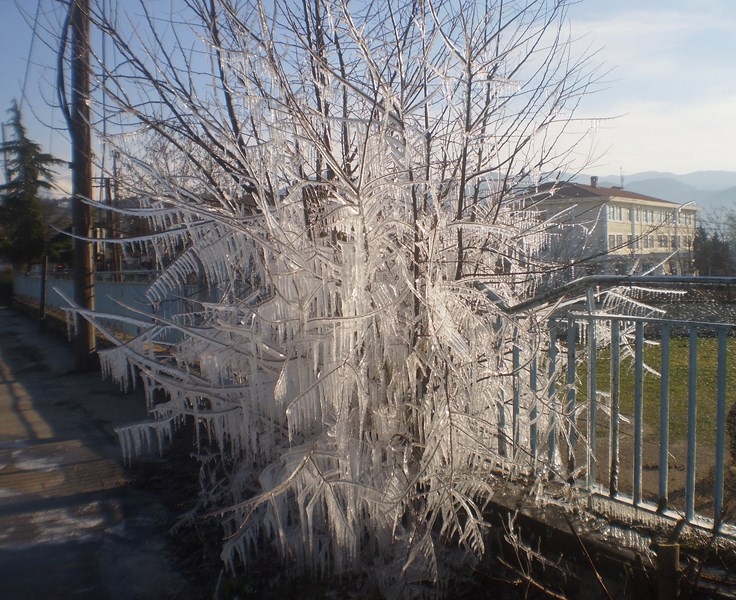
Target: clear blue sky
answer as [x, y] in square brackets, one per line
[672, 80]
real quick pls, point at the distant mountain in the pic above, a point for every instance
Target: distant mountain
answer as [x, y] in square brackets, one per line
[708, 189]
[712, 181]
[667, 189]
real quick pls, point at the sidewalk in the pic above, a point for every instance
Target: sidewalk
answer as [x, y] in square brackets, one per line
[70, 525]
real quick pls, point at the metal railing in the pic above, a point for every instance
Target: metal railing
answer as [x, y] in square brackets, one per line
[130, 276]
[612, 404]
[597, 389]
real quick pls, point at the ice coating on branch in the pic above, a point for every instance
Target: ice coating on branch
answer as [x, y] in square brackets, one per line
[137, 440]
[323, 213]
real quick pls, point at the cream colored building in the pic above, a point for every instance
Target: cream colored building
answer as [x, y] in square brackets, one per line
[615, 231]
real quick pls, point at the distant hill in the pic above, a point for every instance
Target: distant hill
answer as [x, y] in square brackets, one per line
[712, 181]
[708, 189]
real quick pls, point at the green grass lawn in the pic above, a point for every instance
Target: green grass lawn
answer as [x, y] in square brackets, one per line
[707, 367]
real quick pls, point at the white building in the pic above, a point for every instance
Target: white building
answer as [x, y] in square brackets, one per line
[601, 230]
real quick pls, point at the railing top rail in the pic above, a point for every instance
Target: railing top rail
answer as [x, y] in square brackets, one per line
[583, 283]
[137, 274]
[598, 316]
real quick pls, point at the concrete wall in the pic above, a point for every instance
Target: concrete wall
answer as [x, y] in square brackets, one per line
[122, 299]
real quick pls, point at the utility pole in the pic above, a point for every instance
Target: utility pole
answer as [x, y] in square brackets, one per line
[116, 258]
[79, 130]
[6, 168]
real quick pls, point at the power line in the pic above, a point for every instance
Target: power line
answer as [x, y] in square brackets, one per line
[30, 54]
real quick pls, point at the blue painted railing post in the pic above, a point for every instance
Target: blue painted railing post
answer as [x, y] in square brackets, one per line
[554, 403]
[592, 398]
[664, 417]
[515, 409]
[572, 391]
[501, 423]
[692, 413]
[720, 427]
[615, 386]
[638, 408]
[534, 413]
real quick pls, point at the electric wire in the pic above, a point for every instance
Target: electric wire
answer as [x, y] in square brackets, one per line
[30, 55]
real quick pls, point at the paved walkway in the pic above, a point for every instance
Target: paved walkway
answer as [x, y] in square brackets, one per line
[70, 526]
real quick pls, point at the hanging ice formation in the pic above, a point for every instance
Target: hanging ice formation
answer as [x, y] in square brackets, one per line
[327, 216]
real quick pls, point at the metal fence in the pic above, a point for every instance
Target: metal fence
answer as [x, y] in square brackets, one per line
[643, 401]
[117, 294]
[604, 390]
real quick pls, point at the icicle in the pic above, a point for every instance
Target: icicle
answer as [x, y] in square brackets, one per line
[317, 328]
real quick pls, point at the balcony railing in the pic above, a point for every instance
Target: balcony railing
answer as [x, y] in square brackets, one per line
[642, 401]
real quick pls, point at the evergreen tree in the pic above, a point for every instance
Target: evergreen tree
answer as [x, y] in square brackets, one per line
[712, 254]
[29, 171]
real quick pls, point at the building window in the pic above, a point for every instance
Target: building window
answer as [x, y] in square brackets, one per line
[615, 213]
[645, 239]
[620, 240]
[611, 242]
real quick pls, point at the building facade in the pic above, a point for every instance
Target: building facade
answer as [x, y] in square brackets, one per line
[601, 230]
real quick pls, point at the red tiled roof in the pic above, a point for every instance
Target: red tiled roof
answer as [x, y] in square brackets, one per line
[579, 190]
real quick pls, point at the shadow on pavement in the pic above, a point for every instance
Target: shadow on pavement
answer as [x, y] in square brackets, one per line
[71, 523]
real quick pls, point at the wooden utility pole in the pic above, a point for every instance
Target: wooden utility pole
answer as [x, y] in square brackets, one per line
[84, 296]
[6, 168]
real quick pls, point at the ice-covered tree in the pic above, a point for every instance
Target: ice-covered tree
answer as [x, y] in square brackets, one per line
[349, 183]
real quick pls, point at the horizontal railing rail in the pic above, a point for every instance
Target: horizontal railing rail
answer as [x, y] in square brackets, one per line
[137, 276]
[596, 282]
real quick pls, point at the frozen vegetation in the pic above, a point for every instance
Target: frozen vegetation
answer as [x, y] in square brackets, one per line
[342, 189]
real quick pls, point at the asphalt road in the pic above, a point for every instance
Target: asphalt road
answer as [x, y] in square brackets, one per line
[71, 525]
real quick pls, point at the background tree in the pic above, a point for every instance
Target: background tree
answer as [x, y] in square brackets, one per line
[29, 173]
[57, 221]
[712, 254]
[351, 182]
[715, 250]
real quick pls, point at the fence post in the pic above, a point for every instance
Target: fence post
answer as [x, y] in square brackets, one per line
[664, 417]
[500, 403]
[516, 364]
[534, 412]
[554, 404]
[638, 408]
[571, 397]
[615, 386]
[720, 427]
[592, 402]
[692, 413]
